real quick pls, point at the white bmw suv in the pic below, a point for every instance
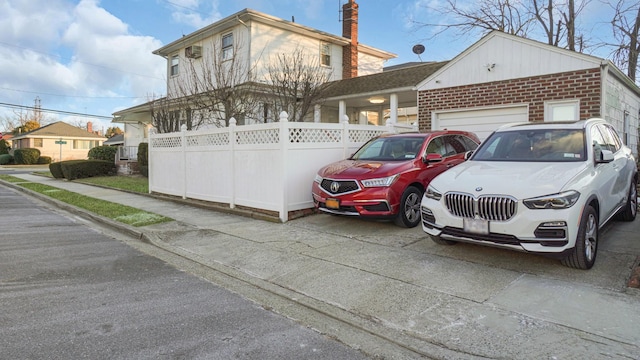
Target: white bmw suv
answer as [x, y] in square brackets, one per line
[544, 188]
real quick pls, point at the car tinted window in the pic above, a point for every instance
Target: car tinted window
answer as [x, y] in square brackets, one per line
[468, 143]
[598, 142]
[610, 137]
[437, 146]
[553, 145]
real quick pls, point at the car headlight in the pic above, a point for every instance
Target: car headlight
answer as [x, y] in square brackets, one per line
[562, 200]
[318, 179]
[379, 182]
[432, 193]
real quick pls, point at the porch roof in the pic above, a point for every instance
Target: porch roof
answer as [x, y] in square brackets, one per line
[401, 80]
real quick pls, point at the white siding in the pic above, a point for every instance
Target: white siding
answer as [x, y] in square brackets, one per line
[499, 57]
[617, 99]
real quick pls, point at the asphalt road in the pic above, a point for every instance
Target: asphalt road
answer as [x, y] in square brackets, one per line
[68, 291]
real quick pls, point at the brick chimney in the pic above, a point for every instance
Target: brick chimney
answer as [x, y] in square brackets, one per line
[350, 31]
[89, 127]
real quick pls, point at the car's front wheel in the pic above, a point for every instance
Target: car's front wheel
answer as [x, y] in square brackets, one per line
[584, 253]
[631, 207]
[409, 213]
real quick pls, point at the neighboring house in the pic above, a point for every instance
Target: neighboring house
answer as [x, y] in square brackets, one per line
[255, 37]
[115, 140]
[60, 141]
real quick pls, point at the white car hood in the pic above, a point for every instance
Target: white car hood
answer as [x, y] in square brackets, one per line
[517, 179]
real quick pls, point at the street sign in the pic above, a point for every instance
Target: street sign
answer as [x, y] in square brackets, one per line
[60, 142]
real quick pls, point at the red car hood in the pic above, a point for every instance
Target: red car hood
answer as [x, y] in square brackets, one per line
[363, 169]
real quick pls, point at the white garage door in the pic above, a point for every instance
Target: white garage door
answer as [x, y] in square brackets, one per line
[481, 121]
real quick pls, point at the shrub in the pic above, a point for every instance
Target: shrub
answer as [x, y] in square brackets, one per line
[44, 160]
[78, 169]
[6, 159]
[144, 170]
[4, 147]
[26, 156]
[104, 152]
[56, 170]
[143, 154]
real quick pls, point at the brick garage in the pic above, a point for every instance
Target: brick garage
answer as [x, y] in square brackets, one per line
[584, 85]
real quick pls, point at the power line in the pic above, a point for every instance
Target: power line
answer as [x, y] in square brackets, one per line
[53, 111]
[73, 96]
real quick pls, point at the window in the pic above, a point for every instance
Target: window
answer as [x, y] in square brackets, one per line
[325, 54]
[175, 61]
[37, 142]
[85, 144]
[227, 46]
[562, 110]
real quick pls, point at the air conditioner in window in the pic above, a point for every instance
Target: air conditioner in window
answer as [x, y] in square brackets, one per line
[193, 51]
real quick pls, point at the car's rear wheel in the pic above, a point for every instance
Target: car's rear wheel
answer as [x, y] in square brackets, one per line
[631, 208]
[409, 213]
[584, 253]
[441, 241]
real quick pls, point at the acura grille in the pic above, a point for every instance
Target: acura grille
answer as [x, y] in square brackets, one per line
[339, 186]
[487, 207]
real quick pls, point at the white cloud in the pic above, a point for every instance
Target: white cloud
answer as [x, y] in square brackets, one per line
[194, 13]
[74, 56]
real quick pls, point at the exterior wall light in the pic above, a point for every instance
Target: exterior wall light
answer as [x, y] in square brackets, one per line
[376, 100]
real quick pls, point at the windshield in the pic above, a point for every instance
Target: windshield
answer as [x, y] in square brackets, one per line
[553, 145]
[389, 148]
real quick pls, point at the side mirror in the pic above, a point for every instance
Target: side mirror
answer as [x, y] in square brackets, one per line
[431, 158]
[606, 156]
[468, 154]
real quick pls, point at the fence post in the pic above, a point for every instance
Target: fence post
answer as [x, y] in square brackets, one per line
[345, 135]
[232, 151]
[284, 145]
[183, 147]
[152, 133]
[390, 126]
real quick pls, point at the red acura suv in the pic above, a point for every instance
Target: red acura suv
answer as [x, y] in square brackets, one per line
[386, 177]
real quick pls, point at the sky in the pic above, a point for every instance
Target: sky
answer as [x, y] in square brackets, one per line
[86, 59]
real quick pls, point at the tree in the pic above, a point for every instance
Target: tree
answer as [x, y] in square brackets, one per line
[111, 131]
[626, 32]
[483, 16]
[295, 81]
[23, 121]
[555, 19]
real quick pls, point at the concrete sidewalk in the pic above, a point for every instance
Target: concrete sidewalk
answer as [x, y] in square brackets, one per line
[393, 293]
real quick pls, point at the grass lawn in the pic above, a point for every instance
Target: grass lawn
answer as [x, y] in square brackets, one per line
[118, 212]
[139, 184]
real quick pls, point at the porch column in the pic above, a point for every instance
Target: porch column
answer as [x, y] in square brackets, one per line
[342, 109]
[393, 110]
[316, 114]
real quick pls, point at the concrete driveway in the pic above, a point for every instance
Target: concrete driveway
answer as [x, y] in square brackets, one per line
[393, 293]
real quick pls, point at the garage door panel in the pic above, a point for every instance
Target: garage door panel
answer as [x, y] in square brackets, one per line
[483, 121]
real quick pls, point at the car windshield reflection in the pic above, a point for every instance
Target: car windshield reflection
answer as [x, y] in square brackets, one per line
[548, 145]
[389, 149]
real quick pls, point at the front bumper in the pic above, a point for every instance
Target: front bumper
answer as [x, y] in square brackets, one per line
[539, 231]
[379, 202]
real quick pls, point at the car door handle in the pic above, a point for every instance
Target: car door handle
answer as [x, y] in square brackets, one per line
[451, 165]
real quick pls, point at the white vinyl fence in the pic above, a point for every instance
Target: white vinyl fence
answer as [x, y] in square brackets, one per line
[263, 166]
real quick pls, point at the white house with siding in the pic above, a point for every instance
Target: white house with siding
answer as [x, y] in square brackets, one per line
[254, 37]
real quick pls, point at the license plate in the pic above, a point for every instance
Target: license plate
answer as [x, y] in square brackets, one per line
[333, 204]
[476, 226]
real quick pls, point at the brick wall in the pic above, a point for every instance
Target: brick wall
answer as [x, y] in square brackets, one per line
[584, 85]
[350, 31]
